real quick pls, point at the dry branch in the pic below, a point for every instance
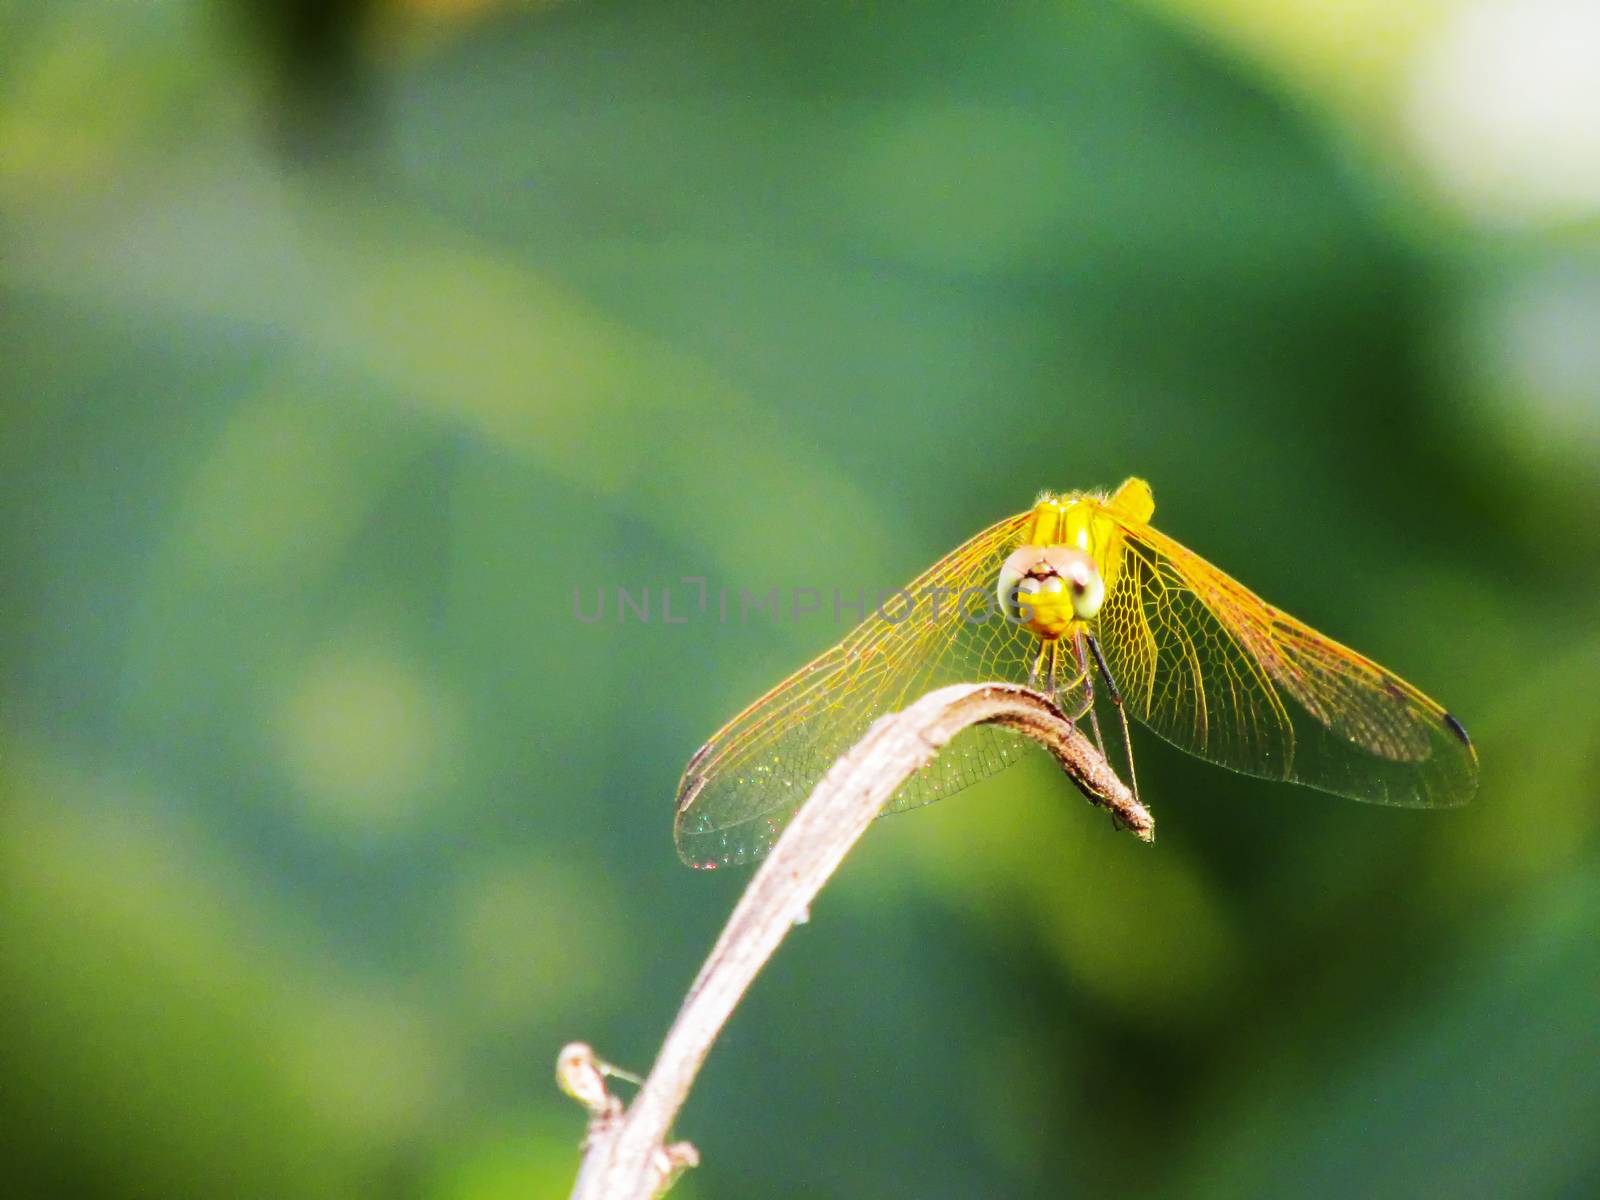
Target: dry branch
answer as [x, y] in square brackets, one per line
[626, 1155]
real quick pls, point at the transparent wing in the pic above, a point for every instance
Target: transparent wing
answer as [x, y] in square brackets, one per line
[1217, 671]
[744, 785]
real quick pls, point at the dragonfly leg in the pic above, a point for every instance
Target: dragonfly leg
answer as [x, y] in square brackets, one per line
[1074, 709]
[1037, 668]
[1122, 713]
[1088, 690]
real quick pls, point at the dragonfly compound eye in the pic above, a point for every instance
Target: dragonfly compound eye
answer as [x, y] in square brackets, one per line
[1088, 589]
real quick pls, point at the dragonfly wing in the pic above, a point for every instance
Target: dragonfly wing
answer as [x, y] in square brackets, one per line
[1216, 670]
[744, 785]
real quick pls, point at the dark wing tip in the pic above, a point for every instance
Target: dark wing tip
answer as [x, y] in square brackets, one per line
[691, 783]
[1457, 728]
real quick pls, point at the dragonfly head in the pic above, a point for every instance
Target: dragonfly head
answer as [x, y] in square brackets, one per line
[1047, 588]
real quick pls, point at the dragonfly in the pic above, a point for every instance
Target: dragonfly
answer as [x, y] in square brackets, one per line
[1081, 599]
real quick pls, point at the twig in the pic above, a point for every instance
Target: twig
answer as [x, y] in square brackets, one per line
[626, 1156]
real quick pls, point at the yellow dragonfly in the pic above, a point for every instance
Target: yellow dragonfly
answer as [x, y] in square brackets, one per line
[1076, 590]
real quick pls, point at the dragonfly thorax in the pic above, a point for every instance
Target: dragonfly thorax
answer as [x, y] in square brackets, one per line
[1048, 588]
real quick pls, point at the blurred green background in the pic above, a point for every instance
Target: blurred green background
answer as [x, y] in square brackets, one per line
[340, 342]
